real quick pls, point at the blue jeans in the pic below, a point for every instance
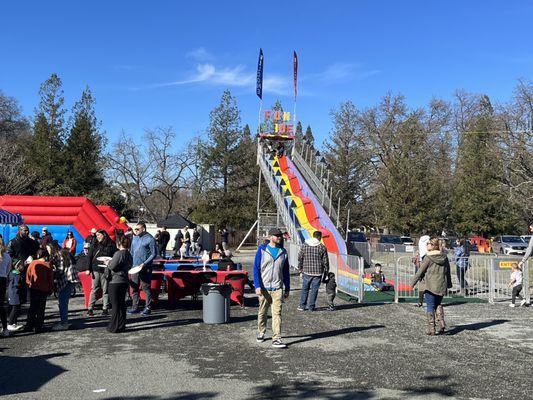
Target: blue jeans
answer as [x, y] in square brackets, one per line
[432, 301]
[63, 298]
[313, 283]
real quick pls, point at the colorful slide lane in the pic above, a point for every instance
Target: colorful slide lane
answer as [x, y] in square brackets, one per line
[62, 214]
[311, 216]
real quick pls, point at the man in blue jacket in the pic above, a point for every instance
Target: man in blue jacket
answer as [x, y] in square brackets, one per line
[272, 283]
[143, 251]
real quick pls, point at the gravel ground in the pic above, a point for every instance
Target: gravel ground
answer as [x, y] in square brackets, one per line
[369, 351]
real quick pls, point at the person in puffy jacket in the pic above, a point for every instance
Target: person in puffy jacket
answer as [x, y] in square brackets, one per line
[272, 284]
[435, 270]
[40, 280]
[103, 246]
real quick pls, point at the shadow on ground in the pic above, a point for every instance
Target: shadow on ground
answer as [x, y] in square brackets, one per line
[475, 326]
[312, 390]
[327, 334]
[27, 374]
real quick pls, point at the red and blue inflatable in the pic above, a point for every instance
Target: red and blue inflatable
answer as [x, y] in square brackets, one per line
[60, 215]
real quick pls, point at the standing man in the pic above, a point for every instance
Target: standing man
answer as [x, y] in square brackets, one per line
[46, 238]
[529, 250]
[143, 250]
[272, 283]
[178, 242]
[187, 241]
[224, 236]
[312, 263]
[92, 237]
[20, 248]
[165, 238]
[196, 241]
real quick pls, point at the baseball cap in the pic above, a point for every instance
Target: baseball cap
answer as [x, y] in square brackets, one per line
[275, 232]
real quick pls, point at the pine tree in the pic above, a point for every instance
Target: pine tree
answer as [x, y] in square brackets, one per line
[83, 149]
[350, 168]
[47, 142]
[298, 133]
[309, 136]
[228, 159]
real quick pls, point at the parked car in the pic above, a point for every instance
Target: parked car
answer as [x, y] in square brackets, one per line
[526, 238]
[390, 243]
[409, 244]
[357, 245]
[509, 245]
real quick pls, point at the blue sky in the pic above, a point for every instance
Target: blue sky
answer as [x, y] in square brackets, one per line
[166, 63]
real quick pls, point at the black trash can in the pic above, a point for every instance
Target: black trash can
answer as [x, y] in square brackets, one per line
[216, 303]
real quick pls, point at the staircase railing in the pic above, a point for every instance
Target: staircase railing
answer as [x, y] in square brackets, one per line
[267, 171]
[320, 188]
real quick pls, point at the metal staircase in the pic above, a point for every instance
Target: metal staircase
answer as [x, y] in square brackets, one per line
[283, 203]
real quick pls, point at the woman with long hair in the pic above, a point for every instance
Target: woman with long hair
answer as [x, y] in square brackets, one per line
[119, 266]
[435, 270]
[70, 243]
[103, 246]
[5, 267]
[64, 277]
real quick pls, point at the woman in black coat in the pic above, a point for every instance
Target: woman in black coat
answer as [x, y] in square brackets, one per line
[103, 246]
[119, 266]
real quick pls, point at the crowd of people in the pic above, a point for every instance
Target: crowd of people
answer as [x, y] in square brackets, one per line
[34, 266]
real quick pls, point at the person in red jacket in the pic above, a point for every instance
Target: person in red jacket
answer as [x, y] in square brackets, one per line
[70, 243]
[40, 280]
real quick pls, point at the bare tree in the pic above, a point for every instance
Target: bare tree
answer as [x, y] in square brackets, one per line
[151, 173]
[15, 177]
[516, 144]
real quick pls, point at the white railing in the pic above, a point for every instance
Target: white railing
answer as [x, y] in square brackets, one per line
[282, 207]
[315, 183]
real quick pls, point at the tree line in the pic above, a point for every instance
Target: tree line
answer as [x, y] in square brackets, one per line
[463, 166]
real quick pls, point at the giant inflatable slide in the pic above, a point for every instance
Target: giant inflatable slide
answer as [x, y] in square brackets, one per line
[60, 215]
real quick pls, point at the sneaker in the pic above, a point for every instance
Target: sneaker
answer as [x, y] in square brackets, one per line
[260, 337]
[6, 333]
[300, 308]
[90, 312]
[105, 312]
[15, 327]
[331, 308]
[62, 326]
[278, 344]
[147, 311]
[523, 303]
[512, 305]
[133, 311]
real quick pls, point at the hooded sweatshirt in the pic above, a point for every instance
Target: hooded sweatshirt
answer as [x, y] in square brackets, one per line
[422, 246]
[313, 258]
[435, 270]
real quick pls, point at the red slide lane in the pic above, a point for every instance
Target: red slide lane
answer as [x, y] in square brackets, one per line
[310, 211]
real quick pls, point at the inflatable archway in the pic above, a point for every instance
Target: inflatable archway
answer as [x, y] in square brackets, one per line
[62, 214]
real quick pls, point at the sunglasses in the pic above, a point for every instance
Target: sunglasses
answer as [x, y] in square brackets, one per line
[136, 229]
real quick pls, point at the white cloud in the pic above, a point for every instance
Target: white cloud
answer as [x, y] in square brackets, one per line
[237, 76]
[340, 72]
[200, 54]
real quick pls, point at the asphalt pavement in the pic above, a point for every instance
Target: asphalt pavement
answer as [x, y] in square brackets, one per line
[368, 351]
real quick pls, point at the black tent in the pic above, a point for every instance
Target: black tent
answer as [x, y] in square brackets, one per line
[175, 222]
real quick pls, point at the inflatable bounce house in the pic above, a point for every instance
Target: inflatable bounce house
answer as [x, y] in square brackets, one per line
[60, 215]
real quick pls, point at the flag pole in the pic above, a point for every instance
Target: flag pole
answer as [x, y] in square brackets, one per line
[295, 78]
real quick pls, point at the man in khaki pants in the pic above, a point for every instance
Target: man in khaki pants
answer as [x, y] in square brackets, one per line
[272, 283]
